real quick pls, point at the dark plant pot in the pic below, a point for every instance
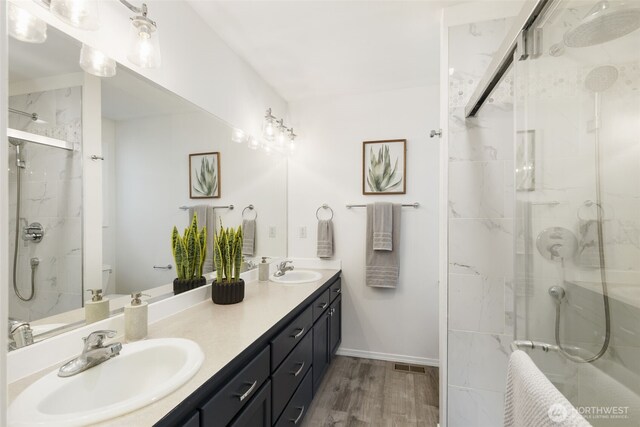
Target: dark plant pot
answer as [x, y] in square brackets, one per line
[180, 286]
[227, 292]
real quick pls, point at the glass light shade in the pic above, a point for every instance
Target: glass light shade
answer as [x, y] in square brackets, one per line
[144, 45]
[253, 143]
[268, 129]
[25, 26]
[292, 147]
[238, 136]
[281, 138]
[97, 63]
[81, 14]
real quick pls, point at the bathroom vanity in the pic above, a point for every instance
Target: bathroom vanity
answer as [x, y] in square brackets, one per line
[272, 382]
[264, 358]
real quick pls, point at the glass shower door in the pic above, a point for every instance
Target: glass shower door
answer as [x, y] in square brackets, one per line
[577, 213]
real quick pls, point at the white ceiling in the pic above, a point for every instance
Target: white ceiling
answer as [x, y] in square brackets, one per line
[314, 48]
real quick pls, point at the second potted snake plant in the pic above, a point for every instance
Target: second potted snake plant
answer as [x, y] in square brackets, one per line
[189, 253]
[228, 287]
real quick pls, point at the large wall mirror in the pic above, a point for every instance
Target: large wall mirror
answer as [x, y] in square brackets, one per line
[99, 173]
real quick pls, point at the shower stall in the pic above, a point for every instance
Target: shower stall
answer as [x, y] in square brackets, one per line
[544, 208]
[45, 203]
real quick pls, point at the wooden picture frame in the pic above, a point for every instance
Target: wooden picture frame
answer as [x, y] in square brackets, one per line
[204, 175]
[375, 154]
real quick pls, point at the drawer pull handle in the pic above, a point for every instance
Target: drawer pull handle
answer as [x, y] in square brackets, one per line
[299, 334]
[297, 420]
[323, 305]
[337, 291]
[296, 373]
[246, 394]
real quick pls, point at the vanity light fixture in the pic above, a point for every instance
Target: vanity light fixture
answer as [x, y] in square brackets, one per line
[97, 63]
[144, 49]
[82, 14]
[25, 26]
[282, 134]
[292, 144]
[238, 136]
[253, 143]
[268, 126]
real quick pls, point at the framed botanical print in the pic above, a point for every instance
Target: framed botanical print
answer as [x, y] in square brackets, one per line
[384, 167]
[204, 175]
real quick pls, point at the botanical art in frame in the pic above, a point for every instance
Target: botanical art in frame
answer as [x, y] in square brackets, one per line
[204, 175]
[384, 167]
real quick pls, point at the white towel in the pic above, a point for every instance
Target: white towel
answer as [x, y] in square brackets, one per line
[383, 267]
[206, 218]
[531, 399]
[382, 226]
[325, 238]
[249, 237]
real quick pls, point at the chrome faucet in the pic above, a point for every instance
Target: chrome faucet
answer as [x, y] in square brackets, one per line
[20, 334]
[93, 353]
[283, 268]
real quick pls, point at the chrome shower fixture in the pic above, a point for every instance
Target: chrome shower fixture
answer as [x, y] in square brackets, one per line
[33, 116]
[602, 24]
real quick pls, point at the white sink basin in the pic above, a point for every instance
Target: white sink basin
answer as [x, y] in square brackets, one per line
[144, 372]
[297, 276]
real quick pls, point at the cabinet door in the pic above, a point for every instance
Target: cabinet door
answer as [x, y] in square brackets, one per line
[335, 332]
[257, 413]
[194, 421]
[321, 351]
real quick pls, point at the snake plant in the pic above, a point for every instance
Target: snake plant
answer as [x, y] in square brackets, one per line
[380, 177]
[227, 254]
[189, 250]
[206, 178]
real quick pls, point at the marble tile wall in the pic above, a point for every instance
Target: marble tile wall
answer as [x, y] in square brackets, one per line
[52, 195]
[480, 325]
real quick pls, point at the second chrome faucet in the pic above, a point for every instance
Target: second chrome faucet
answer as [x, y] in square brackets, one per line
[94, 353]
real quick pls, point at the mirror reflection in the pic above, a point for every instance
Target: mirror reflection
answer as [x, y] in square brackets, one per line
[101, 169]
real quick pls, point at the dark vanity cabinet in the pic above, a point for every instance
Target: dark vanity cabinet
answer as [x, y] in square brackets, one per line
[271, 383]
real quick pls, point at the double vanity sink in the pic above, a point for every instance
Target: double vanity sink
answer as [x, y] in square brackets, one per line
[144, 372]
[174, 381]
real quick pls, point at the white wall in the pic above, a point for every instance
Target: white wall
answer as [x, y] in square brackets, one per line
[152, 181]
[196, 63]
[399, 324]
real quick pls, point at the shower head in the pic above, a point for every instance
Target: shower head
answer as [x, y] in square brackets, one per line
[601, 78]
[33, 116]
[602, 24]
[15, 141]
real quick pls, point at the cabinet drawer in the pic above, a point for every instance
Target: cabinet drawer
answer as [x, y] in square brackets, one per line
[194, 421]
[336, 289]
[297, 408]
[257, 413]
[321, 304]
[289, 337]
[289, 375]
[225, 404]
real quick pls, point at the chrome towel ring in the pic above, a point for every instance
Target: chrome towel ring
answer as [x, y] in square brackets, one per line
[251, 208]
[324, 206]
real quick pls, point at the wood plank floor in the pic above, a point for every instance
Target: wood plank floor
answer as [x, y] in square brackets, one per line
[363, 392]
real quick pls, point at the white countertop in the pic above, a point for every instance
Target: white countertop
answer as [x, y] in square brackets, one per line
[222, 331]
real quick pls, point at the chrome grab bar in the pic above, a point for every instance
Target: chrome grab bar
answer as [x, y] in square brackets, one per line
[163, 267]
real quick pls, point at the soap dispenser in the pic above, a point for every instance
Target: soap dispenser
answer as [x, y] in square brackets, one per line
[135, 318]
[263, 270]
[98, 308]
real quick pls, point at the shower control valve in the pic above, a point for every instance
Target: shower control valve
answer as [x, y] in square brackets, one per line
[33, 232]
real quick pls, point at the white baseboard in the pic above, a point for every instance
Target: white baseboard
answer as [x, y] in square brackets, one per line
[387, 357]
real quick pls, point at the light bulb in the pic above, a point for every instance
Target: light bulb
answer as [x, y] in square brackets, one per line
[144, 49]
[238, 136]
[81, 14]
[253, 143]
[25, 26]
[269, 130]
[97, 63]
